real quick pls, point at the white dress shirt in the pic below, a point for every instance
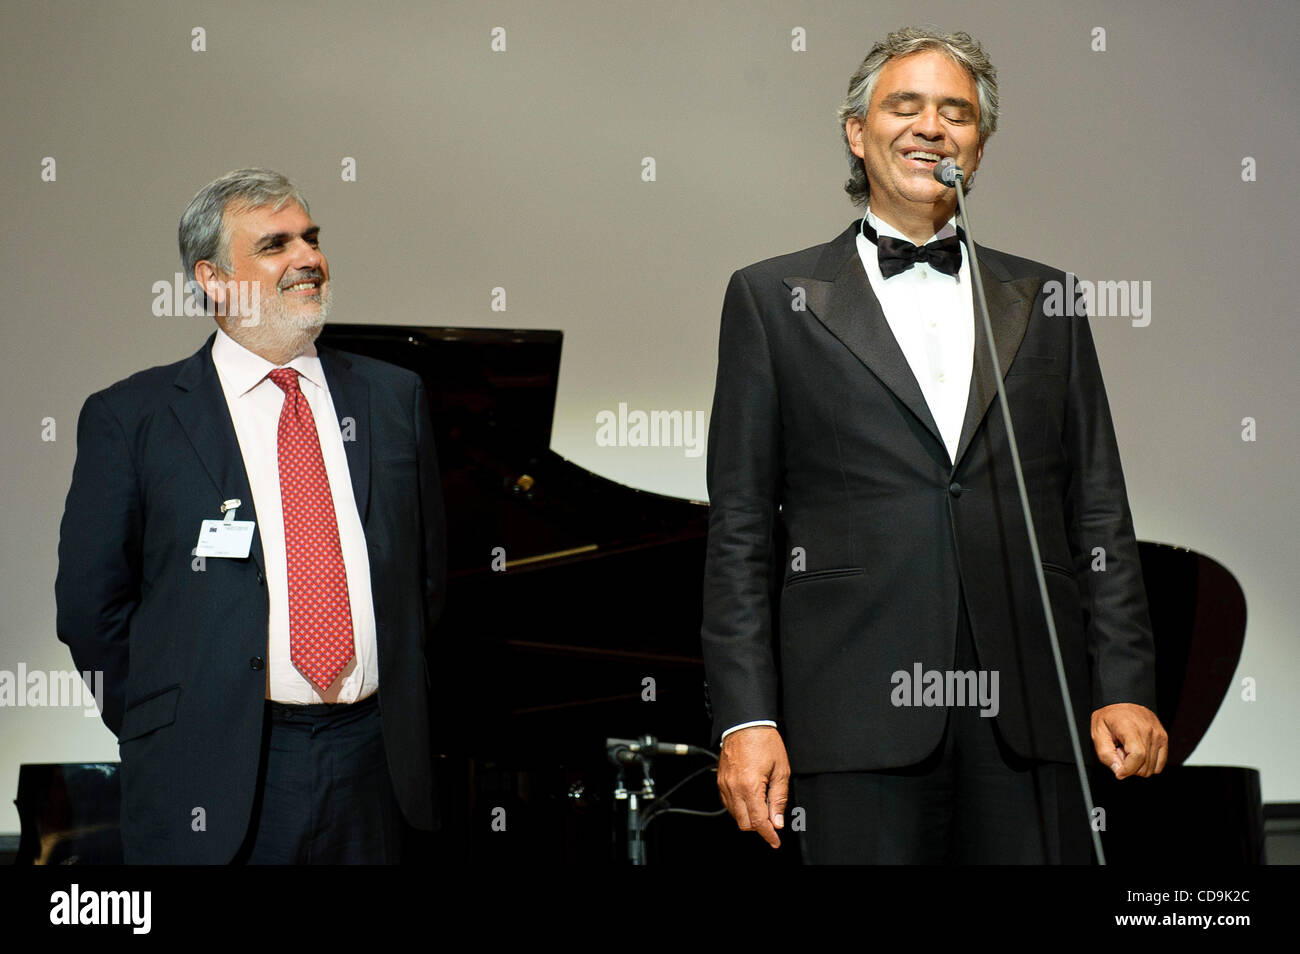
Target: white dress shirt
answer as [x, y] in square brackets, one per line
[933, 319]
[255, 403]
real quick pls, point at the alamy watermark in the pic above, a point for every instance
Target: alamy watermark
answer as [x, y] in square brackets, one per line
[56, 689]
[1105, 299]
[185, 298]
[129, 908]
[626, 428]
[951, 687]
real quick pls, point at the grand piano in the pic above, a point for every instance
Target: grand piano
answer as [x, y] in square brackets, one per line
[573, 616]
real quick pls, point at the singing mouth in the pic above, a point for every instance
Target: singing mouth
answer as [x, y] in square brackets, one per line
[922, 158]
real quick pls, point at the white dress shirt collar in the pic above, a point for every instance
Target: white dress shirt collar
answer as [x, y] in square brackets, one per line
[245, 370]
[884, 228]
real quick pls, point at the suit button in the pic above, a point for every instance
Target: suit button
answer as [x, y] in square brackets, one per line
[257, 662]
[261, 577]
[954, 488]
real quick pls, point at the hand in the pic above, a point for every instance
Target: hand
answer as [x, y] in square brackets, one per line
[1129, 740]
[754, 780]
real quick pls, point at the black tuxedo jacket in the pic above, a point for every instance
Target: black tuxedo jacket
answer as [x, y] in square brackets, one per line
[183, 644]
[820, 430]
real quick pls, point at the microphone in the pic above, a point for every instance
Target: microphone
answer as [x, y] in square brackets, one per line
[948, 172]
[626, 750]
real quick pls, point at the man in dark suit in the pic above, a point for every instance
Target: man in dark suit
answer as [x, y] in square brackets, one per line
[853, 428]
[267, 683]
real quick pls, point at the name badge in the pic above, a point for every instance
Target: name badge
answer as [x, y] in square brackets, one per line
[227, 537]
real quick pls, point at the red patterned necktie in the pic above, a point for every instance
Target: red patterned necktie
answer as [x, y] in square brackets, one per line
[320, 616]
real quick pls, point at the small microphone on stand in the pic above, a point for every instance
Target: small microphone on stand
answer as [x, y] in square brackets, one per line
[947, 172]
[641, 752]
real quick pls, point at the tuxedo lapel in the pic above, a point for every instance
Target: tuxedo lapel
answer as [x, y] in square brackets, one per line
[839, 295]
[351, 396]
[1009, 303]
[201, 410]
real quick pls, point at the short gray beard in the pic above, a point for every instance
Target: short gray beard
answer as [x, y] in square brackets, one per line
[277, 335]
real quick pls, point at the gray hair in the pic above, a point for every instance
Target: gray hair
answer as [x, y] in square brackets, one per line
[203, 232]
[958, 47]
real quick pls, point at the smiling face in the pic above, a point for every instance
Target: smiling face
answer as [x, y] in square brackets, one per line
[279, 250]
[924, 107]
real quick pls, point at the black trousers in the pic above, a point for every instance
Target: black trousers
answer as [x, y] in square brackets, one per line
[324, 795]
[971, 801]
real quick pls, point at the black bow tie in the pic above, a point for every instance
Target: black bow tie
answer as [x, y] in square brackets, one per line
[897, 256]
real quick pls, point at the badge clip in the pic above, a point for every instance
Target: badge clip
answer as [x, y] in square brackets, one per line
[228, 507]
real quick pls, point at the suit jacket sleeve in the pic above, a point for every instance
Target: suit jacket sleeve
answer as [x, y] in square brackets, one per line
[98, 583]
[1120, 643]
[744, 479]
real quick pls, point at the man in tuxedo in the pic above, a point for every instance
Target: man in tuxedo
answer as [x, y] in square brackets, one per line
[863, 503]
[252, 553]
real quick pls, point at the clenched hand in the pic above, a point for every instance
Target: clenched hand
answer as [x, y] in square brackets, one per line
[1129, 740]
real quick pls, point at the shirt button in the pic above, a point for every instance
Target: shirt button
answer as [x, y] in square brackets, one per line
[941, 377]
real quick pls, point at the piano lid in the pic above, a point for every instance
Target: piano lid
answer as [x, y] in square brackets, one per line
[492, 395]
[494, 388]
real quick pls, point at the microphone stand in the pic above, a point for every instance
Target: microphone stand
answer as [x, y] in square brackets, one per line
[622, 754]
[641, 806]
[950, 174]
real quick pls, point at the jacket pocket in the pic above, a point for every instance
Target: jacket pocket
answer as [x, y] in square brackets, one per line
[152, 712]
[806, 575]
[1057, 568]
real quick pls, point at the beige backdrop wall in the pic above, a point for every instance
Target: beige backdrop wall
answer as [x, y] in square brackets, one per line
[522, 169]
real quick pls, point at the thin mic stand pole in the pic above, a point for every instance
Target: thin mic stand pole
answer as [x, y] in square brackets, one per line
[635, 826]
[1029, 520]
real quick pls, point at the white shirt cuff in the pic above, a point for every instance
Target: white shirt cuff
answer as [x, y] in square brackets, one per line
[746, 725]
